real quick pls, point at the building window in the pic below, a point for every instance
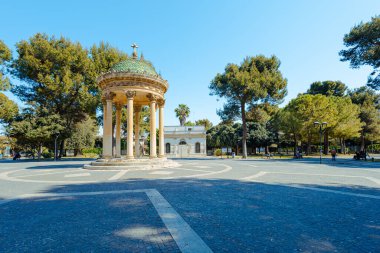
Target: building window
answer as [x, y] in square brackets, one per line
[197, 147]
[167, 148]
[182, 142]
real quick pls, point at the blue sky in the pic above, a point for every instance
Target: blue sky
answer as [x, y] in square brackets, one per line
[190, 41]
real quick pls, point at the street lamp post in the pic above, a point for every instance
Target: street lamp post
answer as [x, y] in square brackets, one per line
[322, 128]
[55, 146]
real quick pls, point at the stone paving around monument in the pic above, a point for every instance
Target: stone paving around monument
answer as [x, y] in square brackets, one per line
[202, 206]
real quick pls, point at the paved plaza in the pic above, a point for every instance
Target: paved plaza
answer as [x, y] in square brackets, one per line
[205, 205]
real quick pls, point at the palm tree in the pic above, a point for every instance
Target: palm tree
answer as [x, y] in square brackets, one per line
[182, 112]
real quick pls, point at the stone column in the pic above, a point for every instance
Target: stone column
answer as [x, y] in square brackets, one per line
[107, 133]
[137, 131]
[130, 96]
[118, 130]
[161, 147]
[153, 151]
[104, 125]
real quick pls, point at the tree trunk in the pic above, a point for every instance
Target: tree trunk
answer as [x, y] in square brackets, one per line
[295, 145]
[362, 141]
[326, 142]
[39, 152]
[266, 149]
[344, 145]
[61, 148]
[308, 145]
[341, 145]
[244, 125]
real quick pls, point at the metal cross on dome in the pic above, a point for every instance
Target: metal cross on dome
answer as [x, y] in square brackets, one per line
[134, 46]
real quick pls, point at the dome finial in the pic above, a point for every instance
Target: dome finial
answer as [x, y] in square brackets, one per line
[142, 57]
[134, 46]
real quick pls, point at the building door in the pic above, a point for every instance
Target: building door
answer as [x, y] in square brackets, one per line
[182, 149]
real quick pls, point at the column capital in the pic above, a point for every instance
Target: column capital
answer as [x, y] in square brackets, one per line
[108, 95]
[130, 94]
[152, 97]
[161, 102]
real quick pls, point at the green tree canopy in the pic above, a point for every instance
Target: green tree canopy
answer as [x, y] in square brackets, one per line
[369, 105]
[256, 80]
[182, 112]
[364, 48]
[5, 57]
[57, 74]
[35, 128]
[204, 122]
[328, 88]
[8, 109]
[84, 135]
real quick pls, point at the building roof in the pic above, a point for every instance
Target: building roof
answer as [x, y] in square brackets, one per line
[135, 66]
[178, 130]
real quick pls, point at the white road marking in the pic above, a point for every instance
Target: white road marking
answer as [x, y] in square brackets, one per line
[228, 168]
[252, 165]
[377, 181]
[43, 174]
[188, 241]
[161, 172]
[78, 175]
[118, 175]
[192, 169]
[260, 174]
[202, 167]
[335, 191]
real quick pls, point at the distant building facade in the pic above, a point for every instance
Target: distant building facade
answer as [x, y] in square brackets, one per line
[185, 141]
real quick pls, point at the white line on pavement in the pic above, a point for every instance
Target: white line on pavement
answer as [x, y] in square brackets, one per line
[335, 191]
[187, 240]
[185, 237]
[260, 174]
[43, 174]
[118, 175]
[78, 175]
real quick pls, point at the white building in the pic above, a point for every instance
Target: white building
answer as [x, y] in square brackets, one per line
[185, 141]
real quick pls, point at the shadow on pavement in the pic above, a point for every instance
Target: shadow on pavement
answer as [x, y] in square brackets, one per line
[229, 215]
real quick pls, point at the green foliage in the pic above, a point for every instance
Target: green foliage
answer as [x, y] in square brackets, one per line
[218, 152]
[182, 112]
[369, 104]
[83, 136]
[35, 128]
[348, 122]
[8, 109]
[256, 80]
[47, 155]
[374, 147]
[92, 151]
[56, 74]
[363, 48]
[5, 56]
[328, 88]
[204, 122]
[189, 123]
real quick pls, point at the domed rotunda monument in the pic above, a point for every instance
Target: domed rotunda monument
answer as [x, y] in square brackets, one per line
[132, 83]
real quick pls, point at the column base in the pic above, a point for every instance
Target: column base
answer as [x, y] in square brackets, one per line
[130, 157]
[161, 156]
[152, 157]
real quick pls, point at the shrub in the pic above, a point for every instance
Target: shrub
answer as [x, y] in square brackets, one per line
[47, 155]
[97, 151]
[90, 155]
[218, 152]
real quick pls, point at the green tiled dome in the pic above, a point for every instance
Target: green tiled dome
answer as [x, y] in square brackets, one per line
[135, 66]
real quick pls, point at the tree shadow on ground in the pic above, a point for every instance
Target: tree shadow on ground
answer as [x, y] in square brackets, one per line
[229, 215]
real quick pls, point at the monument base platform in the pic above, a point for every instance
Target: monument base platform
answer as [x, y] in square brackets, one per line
[131, 164]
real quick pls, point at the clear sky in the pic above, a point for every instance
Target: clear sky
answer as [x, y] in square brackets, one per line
[190, 41]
